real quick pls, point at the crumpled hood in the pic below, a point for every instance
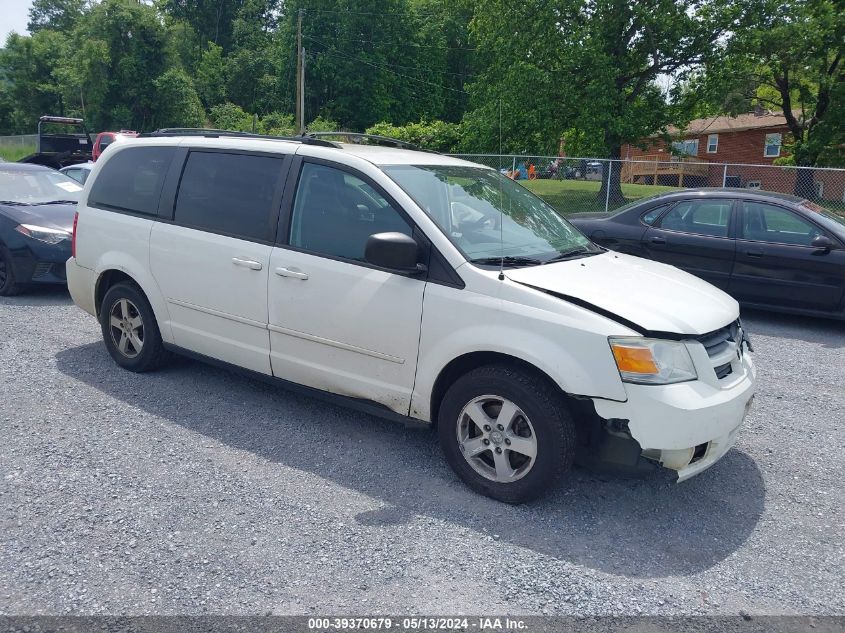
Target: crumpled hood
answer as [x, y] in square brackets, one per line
[51, 216]
[654, 296]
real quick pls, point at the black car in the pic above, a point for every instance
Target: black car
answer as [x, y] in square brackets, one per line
[768, 250]
[37, 206]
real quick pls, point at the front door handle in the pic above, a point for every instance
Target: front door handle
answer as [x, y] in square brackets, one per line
[658, 240]
[292, 273]
[754, 253]
[247, 263]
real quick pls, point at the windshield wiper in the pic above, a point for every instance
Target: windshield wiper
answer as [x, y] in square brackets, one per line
[59, 202]
[578, 252]
[507, 260]
[14, 203]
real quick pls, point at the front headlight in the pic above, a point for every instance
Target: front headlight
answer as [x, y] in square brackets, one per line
[651, 361]
[42, 233]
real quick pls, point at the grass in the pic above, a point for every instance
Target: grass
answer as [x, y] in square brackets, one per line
[581, 196]
[13, 153]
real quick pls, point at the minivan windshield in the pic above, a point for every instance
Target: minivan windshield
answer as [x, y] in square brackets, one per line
[37, 186]
[490, 218]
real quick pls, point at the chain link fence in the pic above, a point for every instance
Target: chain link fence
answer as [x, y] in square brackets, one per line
[13, 148]
[575, 185]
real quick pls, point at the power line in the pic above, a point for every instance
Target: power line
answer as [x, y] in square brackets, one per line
[429, 70]
[398, 74]
[381, 13]
[414, 91]
[412, 44]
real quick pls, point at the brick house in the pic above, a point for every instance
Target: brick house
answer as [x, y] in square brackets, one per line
[724, 151]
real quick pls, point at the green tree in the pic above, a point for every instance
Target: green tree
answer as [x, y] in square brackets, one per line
[211, 75]
[250, 71]
[367, 61]
[228, 116]
[32, 78]
[787, 55]
[440, 136]
[177, 102]
[119, 52]
[211, 21]
[58, 15]
[589, 65]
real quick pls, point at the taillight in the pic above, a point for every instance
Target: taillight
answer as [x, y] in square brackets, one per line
[73, 239]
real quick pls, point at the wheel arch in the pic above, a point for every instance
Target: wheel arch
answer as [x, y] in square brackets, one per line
[112, 275]
[106, 280]
[465, 363]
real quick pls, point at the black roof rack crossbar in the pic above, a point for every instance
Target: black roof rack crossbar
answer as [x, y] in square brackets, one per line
[213, 133]
[375, 139]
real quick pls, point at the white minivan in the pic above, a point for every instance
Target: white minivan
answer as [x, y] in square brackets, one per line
[416, 286]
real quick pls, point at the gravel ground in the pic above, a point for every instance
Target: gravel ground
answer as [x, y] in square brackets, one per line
[194, 490]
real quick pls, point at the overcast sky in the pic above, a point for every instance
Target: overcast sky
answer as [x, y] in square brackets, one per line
[13, 17]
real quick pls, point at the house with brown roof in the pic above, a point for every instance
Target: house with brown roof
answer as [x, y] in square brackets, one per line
[723, 151]
[753, 138]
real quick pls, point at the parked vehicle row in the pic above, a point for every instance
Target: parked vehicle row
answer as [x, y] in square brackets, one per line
[415, 286]
[770, 251]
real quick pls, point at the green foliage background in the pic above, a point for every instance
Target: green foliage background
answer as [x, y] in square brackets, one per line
[451, 75]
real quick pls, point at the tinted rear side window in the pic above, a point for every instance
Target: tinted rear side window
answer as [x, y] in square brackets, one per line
[230, 194]
[131, 180]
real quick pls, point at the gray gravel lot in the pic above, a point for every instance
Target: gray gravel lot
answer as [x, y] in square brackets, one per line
[194, 490]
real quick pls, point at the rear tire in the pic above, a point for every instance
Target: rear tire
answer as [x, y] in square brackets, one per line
[8, 283]
[507, 433]
[130, 330]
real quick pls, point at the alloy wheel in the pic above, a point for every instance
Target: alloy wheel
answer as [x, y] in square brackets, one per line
[496, 438]
[126, 327]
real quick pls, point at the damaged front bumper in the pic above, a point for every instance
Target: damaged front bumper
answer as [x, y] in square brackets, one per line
[686, 427]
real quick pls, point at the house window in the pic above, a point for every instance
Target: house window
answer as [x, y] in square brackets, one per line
[712, 143]
[687, 147]
[772, 149]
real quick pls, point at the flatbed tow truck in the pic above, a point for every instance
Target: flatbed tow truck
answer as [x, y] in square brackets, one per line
[60, 149]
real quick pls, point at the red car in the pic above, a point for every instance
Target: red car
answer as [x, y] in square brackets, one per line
[104, 139]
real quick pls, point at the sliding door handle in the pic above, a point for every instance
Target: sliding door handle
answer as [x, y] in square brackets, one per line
[754, 253]
[293, 273]
[247, 263]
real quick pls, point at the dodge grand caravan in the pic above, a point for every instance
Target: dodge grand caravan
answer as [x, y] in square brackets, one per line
[415, 286]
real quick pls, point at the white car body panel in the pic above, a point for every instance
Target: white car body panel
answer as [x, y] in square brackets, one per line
[216, 302]
[566, 342]
[347, 329]
[116, 241]
[655, 296]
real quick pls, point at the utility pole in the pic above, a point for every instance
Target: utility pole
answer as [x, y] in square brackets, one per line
[300, 78]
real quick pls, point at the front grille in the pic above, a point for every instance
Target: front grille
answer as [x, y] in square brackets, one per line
[723, 370]
[42, 269]
[721, 347]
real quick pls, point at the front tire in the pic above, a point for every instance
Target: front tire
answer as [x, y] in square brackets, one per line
[507, 433]
[130, 330]
[8, 283]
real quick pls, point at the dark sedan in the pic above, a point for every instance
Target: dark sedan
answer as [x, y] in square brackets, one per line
[37, 206]
[770, 251]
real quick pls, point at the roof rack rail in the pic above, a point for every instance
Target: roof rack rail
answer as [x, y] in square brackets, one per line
[375, 139]
[214, 133]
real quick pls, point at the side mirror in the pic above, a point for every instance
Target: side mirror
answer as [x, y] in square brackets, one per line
[393, 251]
[822, 242]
